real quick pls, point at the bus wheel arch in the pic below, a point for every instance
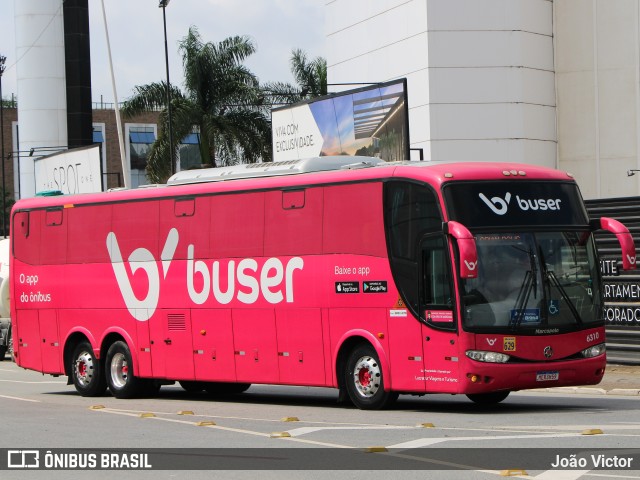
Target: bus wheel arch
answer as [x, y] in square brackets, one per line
[361, 373]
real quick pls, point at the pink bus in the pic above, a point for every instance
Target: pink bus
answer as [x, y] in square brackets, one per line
[374, 278]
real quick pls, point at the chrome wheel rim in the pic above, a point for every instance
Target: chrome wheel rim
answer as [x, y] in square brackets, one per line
[119, 370]
[84, 369]
[367, 376]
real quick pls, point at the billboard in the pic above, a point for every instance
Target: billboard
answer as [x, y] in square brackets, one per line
[72, 171]
[371, 121]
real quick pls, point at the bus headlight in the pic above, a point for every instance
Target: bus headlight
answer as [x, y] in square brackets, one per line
[594, 351]
[489, 357]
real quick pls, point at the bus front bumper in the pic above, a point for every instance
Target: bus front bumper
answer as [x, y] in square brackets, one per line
[487, 377]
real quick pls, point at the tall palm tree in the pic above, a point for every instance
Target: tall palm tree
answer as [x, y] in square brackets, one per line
[221, 102]
[310, 77]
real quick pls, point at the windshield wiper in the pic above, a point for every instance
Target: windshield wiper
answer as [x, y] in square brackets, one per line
[551, 278]
[563, 293]
[529, 284]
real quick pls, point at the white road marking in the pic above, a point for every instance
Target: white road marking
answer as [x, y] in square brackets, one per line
[296, 432]
[425, 442]
[562, 474]
[20, 398]
[55, 382]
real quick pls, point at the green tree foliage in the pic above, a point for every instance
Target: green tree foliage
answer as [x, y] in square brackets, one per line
[310, 77]
[222, 102]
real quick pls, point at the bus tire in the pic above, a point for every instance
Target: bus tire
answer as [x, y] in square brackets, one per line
[490, 398]
[86, 372]
[120, 375]
[364, 380]
[223, 388]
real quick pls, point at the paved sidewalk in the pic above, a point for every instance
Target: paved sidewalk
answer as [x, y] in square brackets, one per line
[618, 380]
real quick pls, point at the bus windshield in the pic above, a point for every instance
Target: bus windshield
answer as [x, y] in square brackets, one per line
[536, 283]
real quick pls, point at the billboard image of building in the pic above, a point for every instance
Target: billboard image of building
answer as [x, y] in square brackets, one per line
[371, 121]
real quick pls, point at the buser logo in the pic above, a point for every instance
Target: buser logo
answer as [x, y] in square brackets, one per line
[500, 206]
[141, 258]
[247, 281]
[497, 204]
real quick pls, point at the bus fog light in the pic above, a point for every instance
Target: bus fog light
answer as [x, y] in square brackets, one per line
[594, 351]
[488, 357]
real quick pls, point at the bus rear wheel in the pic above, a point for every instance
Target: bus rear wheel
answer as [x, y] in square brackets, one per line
[488, 398]
[120, 375]
[364, 381]
[86, 372]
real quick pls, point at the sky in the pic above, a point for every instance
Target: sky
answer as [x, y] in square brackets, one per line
[136, 36]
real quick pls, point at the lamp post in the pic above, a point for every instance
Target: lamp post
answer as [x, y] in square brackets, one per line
[4, 196]
[163, 5]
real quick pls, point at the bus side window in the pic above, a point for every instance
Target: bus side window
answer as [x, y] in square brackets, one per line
[411, 211]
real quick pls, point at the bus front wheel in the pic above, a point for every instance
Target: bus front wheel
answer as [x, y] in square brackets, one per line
[120, 375]
[488, 398]
[364, 380]
[86, 372]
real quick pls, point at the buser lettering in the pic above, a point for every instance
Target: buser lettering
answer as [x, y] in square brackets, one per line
[500, 206]
[246, 281]
[538, 204]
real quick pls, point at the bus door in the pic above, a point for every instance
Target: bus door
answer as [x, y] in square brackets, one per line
[439, 332]
[172, 345]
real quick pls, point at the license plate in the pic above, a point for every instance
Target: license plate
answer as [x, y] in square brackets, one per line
[547, 376]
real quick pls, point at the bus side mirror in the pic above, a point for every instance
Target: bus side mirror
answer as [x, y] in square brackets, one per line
[466, 246]
[624, 237]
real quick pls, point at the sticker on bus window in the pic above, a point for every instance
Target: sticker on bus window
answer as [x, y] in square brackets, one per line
[509, 344]
[528, 315]
[439, 315]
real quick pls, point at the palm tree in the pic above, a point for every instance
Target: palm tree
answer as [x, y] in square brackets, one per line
[310, 76]
[221, 102]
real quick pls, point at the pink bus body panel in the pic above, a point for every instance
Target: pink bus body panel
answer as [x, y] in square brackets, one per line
[214, 357]
[245, 281]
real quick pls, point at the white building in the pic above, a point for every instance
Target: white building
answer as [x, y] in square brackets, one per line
[552, 83]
